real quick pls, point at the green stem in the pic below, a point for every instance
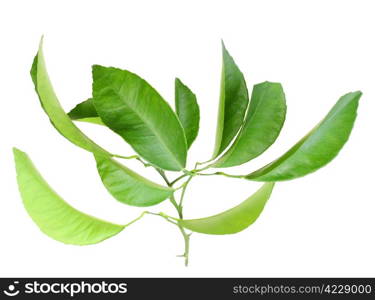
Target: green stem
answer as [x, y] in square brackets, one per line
[179, 178]
[204, 162]
[185, 235]
[165, 216]
[133, 157]
[174, 203]
[221, 173]
[200, 170]
[187, 244]
[161, 214]
[162, 174]
[184, 187]
[178, 208]
[136, 219]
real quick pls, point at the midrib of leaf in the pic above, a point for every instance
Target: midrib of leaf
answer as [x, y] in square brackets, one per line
[150, 127]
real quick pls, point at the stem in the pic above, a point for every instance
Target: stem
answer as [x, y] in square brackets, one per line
[187, 245]
[221, 173]
[179, 178]
[133, 157]
[202, 169]
[185, 235]
[168, 218]
[184, 186]
[204, 162]
[178, 208]
[161, 214]
[136, 219]
[165, 216]
[174, 203]
[162, 174]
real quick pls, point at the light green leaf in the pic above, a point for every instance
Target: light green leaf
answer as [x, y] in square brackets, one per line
[53, 109]
[264, 120]
[233, 102]
[318, 147]
[127, 186]
[187, 110]
[52, 214]
[235, 219]
[85, 112]
[129, 106]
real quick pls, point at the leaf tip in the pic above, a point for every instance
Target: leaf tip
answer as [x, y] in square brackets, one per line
[17, 151]
[97, 68]
[41, 42]
[357, 93]
[222, 43]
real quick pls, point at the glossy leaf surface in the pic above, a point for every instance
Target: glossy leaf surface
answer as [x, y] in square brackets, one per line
[235, 219]
[52, 214]
[127, 186]
[233, 102]
[132, 108]
[53, 109]
[85, 112]
[187, 110]
[318, 147]
[263, 123]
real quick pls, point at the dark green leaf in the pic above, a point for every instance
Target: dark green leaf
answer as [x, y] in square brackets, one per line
[132, 108]
[318, 147]
[85, 109]
[52, 214]
[85, 112]
[129, 187]
[234, 100]
[187, 110]
[235, 219]
[53, 109]
[264, 120]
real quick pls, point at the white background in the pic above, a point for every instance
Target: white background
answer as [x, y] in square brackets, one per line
[319, 225]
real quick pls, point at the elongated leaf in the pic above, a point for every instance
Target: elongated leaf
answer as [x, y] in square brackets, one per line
[85, 112]
[53, 109]
[60, 119]
[318, 147]
[187, 110]
[132, 108]
[127, 186]
[235, 219]
[233, 102]
[52, 214]
[264, 120]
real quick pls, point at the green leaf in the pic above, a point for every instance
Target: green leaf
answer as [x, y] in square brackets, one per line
[129, 106]
[235, 219]
[85, 109]
[127, 186]
[264, 120]
[187, 110]
[233, 102]
[53, 109]
[52, 214]
[96, 121]
[85, 112]
[318, 147]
